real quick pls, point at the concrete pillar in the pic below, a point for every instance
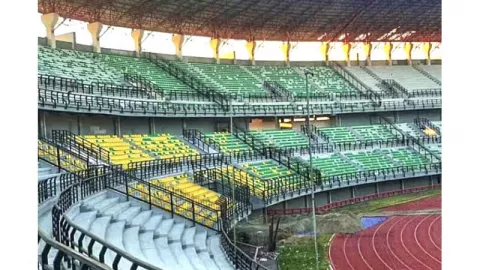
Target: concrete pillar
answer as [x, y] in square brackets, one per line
[79, 125]
[387, 48]
[95, 29]
[286, 47]
[215, 45]
[178, 42]
[43, 124]
[50, 20]
[324, 48]
[329, 196]
[402, 184]
[151, 125]
[367, 48]
[346, 47]
[251, 46]
[137, 35]
[408, 52]
[427, 49]
[377, 189]
[116, 126]
[353, 192]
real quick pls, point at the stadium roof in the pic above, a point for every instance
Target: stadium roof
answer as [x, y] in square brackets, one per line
[295, 20]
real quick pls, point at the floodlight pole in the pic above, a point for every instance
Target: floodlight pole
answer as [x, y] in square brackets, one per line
[233, 185]
[314, 221]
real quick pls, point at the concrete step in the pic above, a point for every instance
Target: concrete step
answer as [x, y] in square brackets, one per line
[219, 256]
[105, 204]
[141, 218]
[129, 214]
[195, 261]
[175, 234]
[165, 253]
[153, 222]
[147, 244]
[114, 235]
[207, 261]
[93, 200]
[116, 209]
[99, 228]
[84, 220]
[164, 227]
[188, 237]
[201, 241]
[180, 256]
[131, 242]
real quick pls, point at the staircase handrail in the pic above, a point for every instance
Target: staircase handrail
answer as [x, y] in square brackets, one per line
[426, 73]
[71, 141]
[424, 121]
[195, 136]
[408, 136]
[357, 83]
[434, 92]
[188, 79]
[65, 253]
[152, 88]
[278, 90]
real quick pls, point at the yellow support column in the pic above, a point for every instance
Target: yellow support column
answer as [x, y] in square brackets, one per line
[178, 42]
[215, 45]
[137, 35]
[95, 29]
[286, 52]
[408, 52]
[387, 48]
[251, 46]
[427, 49]
[367, 48]
[324, 48]
[346, 47]
[50, 20]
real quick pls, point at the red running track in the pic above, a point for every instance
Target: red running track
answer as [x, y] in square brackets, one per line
[400, 242]
[424, 204]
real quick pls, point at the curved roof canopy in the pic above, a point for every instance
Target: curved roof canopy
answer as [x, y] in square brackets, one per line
[295, 20]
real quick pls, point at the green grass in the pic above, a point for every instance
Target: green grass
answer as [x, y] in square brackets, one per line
[299, 253]
[377, 205]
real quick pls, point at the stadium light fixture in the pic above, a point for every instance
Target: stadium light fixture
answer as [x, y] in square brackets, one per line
[314, 221]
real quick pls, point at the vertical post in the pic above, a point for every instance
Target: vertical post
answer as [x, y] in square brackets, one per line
[309, 73]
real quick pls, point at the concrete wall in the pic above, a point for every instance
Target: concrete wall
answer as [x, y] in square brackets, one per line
[345, 193]
[96, 124]
[60, 121]
[137, 125]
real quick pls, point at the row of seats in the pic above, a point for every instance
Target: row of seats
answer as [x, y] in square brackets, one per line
[357, 133]
[242, 177]
[182, 185]
[407, 76]
[333, 165]
[406, 156]
[267, 169]
[162, 146]
[121, 152]
[328, 80]
[67, 162]
[226, 78]
[280, 138]
[228, 143]
[85, 66]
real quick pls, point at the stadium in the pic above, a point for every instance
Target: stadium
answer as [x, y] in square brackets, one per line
[202, 135]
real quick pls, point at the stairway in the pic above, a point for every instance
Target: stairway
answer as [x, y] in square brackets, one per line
[152, 236]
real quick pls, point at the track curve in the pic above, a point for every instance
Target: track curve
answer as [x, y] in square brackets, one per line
[400, 242]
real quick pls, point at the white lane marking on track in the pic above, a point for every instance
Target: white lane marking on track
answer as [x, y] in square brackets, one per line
[388, 243]
[403, 243]
[373, 243]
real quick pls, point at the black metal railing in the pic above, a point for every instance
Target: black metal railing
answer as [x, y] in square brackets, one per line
[76, 144]
[48, 188]
[424, 122]
[430, 92]
[64, 257]
[426, 73]
[151, 168]
[76, 102]
[188, 79]
[357, 83]
[278, 90]
[57, 155]
[200, 140]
